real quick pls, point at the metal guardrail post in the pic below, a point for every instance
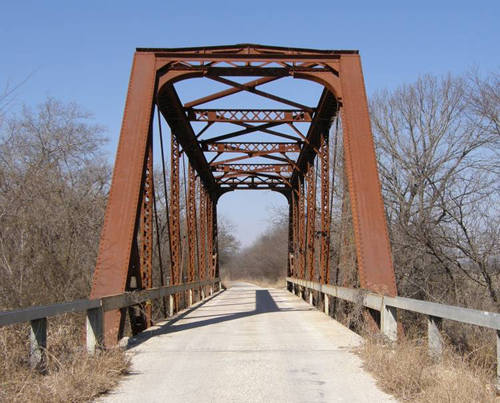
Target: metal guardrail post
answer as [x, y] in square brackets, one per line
[497, 333]
[170, 305]
[434, 339]
[389, 322]
[38, 342]
[95, 329]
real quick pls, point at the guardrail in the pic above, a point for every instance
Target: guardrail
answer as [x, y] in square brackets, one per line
[94, 308]
[387, 306]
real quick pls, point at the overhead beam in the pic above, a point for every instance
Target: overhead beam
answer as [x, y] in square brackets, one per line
[248, 130]
[229, 91]
[326, 110]
[246, 147]
[262, 93]
[253, 168]
[173, 112]
[249, 115]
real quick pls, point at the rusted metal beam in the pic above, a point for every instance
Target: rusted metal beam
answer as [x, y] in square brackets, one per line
[373, 249]
[191, 224]
[250, 147]
[175, 217]
[263, 93]
[301, 228]
[325, 112]
[311, 220]
[325, 208]
[171, 109]
[229, 91]
[202, 256]
[253, 168]
[247, 50]
[145, 236]
[249, 115]
[247, 130]
[119, 228]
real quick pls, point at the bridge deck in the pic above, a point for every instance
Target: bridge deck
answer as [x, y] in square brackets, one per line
[248, 344]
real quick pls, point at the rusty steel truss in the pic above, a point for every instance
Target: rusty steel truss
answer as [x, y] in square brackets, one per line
[292, 161]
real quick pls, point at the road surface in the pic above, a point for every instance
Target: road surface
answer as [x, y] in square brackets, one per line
[248, 344]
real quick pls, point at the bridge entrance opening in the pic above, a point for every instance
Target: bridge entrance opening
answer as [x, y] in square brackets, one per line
[187, 108]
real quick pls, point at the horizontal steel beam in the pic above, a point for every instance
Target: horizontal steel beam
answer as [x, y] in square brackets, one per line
[253, 168]
[249, 115]
[244, 147]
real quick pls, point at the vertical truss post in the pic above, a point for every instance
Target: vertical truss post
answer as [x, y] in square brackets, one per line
[210, 235]
[145, 238]
[215, 246]
[301, 227]
[175, 218]
[290, 236]
[202, 260]
[325, 208]
[311, 219]
[295, 229]
[191, 223]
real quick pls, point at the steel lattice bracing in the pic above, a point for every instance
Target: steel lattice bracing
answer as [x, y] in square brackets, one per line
[284, 148]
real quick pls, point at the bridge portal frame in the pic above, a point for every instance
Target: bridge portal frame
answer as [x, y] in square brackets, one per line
[127, 229]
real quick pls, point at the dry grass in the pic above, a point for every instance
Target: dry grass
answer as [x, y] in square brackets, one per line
[408, 372]
[71, 374]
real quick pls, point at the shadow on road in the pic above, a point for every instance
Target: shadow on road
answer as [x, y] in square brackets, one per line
[264, 303]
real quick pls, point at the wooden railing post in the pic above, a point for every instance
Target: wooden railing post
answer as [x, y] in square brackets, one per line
[38, 342]
[434, 339]
[389, 322]
[95, 329]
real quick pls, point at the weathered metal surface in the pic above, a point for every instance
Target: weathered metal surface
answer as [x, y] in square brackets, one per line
[126, 242]
[311, 220]
[301, 227]
[192, 227]
[370, 227]
[249, 115]
[175, 213]
[324, 208]
[280, 168]
[145, 236]
[244, 147]
[202, 256]
[120, 219]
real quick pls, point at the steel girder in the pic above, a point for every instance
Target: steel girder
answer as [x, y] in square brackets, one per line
[249, 115]
[324, 156]
[311, 219]
[202, 257]
[126, 239]
[192, 226]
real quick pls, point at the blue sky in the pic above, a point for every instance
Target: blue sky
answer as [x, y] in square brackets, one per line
[82, 51]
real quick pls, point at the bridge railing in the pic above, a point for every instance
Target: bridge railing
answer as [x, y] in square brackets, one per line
[94, 308]
[388, 306]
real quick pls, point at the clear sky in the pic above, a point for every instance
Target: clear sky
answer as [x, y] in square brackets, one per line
[82, 50]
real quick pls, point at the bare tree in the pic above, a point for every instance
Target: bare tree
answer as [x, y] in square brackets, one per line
[53, 187]
[437, 141]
